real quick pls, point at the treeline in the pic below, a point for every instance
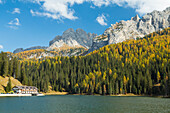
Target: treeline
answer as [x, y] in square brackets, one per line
[8, 65]
[135, 66]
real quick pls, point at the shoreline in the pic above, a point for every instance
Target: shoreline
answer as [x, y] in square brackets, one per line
[67, 93]
[119, 95]
[20, 95]
[15, 95]
[56, 93]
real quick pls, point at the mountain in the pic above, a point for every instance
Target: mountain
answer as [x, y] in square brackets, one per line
[72, 39]
[132, 29]
[71, 43]
[138, 66]
[27, 49]
[75, 43]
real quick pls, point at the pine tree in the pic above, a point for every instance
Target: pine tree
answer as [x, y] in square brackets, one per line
[5, 66]
[9, 86]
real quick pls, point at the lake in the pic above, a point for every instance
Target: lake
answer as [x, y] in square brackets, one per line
[84, 104]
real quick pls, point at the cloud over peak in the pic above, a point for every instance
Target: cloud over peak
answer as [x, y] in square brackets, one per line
[62, 9]
[143, 6]
[102, 20]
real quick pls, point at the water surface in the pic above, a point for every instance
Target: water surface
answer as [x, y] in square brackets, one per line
[84, 104]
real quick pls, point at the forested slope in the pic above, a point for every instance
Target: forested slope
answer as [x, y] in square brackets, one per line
[43, 54]
[135, 66]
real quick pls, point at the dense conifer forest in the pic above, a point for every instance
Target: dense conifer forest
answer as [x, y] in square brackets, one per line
[139, 66]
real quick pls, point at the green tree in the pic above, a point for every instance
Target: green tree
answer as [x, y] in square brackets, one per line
[9, 86]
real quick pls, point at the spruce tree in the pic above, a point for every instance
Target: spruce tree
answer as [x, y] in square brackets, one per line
[9, 86]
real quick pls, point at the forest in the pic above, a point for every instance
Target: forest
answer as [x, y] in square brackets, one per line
[139, 66]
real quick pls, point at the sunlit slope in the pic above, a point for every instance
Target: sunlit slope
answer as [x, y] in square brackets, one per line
[4, 82]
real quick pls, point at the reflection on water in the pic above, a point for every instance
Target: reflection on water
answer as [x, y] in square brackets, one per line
[84, 104]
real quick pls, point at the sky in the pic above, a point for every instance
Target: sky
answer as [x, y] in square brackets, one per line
[27, 23]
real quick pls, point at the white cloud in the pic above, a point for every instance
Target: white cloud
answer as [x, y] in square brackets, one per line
[100, 3]
[143, 6]
[1, 47]
[16, 10]
[14, 24]
[102, 20]
[47, 14]
[56, 9]
[0, 1]
[60, 9]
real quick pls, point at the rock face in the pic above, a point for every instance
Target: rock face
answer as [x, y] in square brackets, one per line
[72, 39]
[27, 49]
[35, 47]
[18, 50]
[132, 29]
[71, 43]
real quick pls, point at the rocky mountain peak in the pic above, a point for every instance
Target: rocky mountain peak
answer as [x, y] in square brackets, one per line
[72, 39]
[167, 9]
[68, 34]
[68, 31]
[134, 28]
[27, 49]
[80, 32]
[136, 18]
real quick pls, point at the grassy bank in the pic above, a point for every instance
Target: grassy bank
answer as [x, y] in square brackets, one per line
[66, 93]
[55, 93]
[4, 82]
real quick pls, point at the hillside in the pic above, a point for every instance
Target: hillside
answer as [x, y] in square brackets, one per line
[27, 49]
[42, 53]
[4, 82]
[133, 66]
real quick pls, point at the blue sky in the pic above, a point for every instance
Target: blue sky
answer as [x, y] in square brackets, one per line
[26, 23]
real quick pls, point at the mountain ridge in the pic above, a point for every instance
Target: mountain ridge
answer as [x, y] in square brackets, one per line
[68, 44]
[132, 29]
[74, 42]
[72, 38]
[30, 48]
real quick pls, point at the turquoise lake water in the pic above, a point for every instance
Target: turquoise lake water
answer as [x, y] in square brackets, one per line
[84, 104]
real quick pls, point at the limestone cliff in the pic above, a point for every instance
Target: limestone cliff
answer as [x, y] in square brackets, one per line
[132, 29]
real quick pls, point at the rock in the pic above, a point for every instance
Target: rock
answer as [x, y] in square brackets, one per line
[132, 29]
[18, 50]
[71, 39]
[54, 40]
[27, 49]
[136, 18]
[69, 44]
[36, 47]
